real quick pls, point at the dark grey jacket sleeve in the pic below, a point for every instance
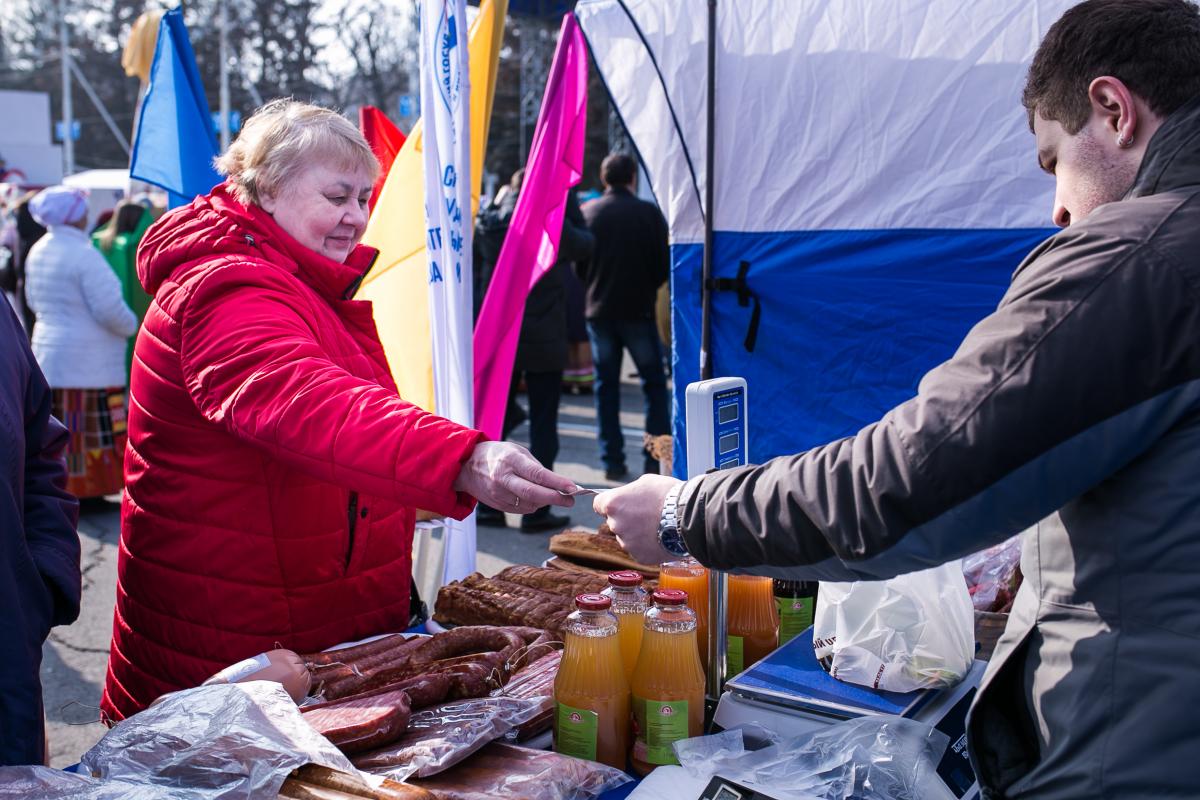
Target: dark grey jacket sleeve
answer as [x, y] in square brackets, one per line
[1090, 358]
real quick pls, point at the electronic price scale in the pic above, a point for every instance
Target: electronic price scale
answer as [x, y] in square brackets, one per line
[788, 691]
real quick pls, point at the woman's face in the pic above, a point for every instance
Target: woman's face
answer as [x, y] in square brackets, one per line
[323, 207]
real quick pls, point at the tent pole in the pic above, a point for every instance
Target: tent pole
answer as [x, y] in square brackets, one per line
[706, 269]
[716, 644]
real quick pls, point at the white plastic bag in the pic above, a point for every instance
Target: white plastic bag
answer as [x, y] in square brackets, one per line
[916, 631]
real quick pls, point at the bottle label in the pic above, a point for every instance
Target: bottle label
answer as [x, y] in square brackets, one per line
[735, 655]
[795, 616]
[575, 732]
[658, 726]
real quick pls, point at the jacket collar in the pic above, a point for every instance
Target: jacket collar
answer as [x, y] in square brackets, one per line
[69, 232]
[1172, 158]
[332, 279]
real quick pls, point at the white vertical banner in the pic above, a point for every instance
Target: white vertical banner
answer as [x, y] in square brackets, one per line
[445, 112]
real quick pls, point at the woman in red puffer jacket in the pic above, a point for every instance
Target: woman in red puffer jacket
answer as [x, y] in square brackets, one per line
[272, 470]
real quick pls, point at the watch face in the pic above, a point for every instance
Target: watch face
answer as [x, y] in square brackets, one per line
[672, 541]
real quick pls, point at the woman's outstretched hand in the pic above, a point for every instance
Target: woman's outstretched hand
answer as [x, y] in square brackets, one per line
[507, 477]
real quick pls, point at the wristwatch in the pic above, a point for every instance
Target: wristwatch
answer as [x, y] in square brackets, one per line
[668, 525]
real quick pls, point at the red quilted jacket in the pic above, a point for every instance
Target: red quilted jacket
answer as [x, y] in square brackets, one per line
[272, 469]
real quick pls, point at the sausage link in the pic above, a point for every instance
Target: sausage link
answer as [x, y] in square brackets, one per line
[348, 654]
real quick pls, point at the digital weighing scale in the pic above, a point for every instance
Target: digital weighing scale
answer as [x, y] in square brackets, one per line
[788, 692]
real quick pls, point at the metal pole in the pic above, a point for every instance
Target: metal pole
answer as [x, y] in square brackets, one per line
[68, 113]
[86, 85]
[717, 642]
[709, 159]
[224, 126]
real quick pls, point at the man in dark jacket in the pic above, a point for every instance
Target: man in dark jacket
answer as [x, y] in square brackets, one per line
[631, 261]
[1074, 408]
[40, 586]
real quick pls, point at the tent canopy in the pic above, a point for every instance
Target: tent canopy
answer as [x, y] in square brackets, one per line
[874, 172]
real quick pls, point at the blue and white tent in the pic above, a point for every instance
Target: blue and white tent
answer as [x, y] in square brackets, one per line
[874, 171]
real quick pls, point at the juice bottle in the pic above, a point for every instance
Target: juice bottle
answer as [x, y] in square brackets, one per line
[591, 694]
[629, 604]
[796, 602]
[752, 624]
[691, 577]
[668, 682]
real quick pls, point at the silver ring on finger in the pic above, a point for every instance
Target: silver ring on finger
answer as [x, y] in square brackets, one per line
[516, 502]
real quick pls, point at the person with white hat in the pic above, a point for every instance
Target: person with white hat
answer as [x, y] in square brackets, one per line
[79, 339]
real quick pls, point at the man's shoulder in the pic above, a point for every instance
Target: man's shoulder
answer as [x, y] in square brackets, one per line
[1146, 233]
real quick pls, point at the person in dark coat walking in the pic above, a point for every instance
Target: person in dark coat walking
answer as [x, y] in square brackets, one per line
[542, 353]
[41, 585]
[631, 261]
[542, 346]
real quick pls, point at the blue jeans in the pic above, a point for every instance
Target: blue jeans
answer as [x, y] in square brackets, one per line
[610, 338]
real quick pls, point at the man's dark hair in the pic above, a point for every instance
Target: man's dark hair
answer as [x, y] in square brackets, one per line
[1152, 46]
[617, 169]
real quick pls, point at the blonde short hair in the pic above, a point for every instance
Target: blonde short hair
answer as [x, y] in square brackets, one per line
[282, 136]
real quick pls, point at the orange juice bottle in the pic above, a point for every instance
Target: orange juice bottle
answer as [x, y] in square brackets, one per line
[752, 622]
[629, 605]
[691, 577]
[591, 694]
[668, 682]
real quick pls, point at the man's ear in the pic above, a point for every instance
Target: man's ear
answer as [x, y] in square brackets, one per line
[268, 202]
[1113, 105]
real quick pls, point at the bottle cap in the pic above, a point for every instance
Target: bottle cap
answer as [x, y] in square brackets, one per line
[625, 578]
[592, 602]
[670, 597]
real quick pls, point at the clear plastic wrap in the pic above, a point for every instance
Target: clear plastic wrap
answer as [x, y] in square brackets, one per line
[223, 741]
[994, 575]
[503, 770]
[54, 784]
[871, 758]
[443, 735]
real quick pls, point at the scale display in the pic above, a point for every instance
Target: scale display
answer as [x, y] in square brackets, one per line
[716, 425]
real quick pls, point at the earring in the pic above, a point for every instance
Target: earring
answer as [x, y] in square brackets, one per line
[1123, 142]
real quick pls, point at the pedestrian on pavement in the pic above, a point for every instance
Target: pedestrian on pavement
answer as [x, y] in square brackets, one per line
[491, 226]
[541, 347]
[79, 340]
[274, 471]
[631, 260]
[21, 233]
[1073, 408]
[117, 242]
[542, 355]
[40, 586]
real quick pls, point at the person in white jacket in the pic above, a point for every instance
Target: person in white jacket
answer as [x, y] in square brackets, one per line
[79, 340]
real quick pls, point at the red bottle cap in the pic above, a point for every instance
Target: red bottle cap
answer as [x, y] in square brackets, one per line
[592, 602]
[670, 597]
[625, 578]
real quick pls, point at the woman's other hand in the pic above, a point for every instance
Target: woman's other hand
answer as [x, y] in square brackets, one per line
[507, 477]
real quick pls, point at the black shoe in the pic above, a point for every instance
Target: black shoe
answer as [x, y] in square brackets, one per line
[486, 515]
[616, 474]
[543, 520]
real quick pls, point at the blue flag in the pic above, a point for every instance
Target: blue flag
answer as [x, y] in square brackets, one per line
[176, 141]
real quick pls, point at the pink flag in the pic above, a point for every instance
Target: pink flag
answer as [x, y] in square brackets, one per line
[531, 245]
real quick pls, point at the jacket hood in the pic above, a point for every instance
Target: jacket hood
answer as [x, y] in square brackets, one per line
[218, 224]
[1173, 158]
